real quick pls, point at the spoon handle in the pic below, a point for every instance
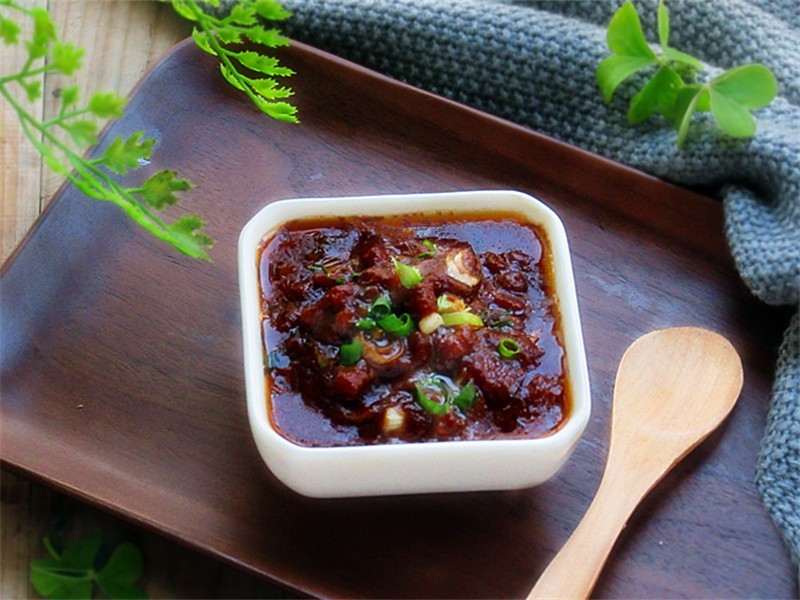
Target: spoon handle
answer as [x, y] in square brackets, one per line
[575, 569]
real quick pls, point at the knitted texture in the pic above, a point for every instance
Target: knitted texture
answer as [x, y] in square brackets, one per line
[779, 461]
[534, 63]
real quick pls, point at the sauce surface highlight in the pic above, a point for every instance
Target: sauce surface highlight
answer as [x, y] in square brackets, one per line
[411, 329]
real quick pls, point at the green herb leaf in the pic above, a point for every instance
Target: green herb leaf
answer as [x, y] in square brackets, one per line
[44, 32]
[120, 573]
[283, 111]
[271, 10]
[267, 65]
[50, 580]
[661, 93]
[242, 15]
[69, 96]
[221, 38]
[663, 26]
[625, 36]
[47, 53]
[350, 354]
[229, 36]
[66, 58]
[752, 86]
[122, 155]
[81, 554]
[269, 89]
[732, 117]
[159, 190]
[728, 96]
[188, 238]
[230, 76]
[409, 276]
[32, 88]
[201, 40]
[184, 9]
[685, 106]
[508, 348]
[106, 105]
[268, 37]
[83, 133]
[466, 397]
[401, 326]
[681, 57]
[72, 575]
[9, 31]
[616, 69]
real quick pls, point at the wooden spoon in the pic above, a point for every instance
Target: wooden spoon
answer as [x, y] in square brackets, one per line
[673, 388]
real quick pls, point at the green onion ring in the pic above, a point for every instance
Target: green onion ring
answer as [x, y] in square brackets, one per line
[431, 406]
[401, 326]
[508, 348]
[350, 354]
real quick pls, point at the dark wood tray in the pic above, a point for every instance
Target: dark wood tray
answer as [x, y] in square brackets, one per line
[122, 374]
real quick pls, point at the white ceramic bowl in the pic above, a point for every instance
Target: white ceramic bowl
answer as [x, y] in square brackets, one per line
[414, 467]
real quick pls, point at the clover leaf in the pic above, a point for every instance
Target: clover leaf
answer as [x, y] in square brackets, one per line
[72, 574]
[729, 97]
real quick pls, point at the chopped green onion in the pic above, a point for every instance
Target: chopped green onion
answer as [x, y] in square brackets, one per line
[316, 267]
[499, 324]
[401, 326]
[508, 348]
[432, 249]
[339, 280]
[366, 323]
[350, 354]
[430, 405]
[466, 397]
[381, 307]
[409, 276]
[462, 317]
[443, 303]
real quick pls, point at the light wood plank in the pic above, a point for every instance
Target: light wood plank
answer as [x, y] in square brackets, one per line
[21, 164]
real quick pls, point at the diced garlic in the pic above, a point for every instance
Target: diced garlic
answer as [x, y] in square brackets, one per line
[458, 270]
[430, 323]
[393, 419]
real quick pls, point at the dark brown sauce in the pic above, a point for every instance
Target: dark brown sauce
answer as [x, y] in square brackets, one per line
[343, 372]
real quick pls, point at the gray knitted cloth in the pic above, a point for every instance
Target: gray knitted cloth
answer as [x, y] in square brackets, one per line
[534, 63]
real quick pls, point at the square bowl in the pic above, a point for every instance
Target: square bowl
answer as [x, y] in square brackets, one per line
[421, 467]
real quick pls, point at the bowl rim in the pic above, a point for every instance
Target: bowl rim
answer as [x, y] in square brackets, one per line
[516, 203]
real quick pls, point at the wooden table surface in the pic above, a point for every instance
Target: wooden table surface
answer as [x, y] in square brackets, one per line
[122, 39]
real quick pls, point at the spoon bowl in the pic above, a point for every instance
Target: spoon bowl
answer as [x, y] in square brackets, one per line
[673, 388]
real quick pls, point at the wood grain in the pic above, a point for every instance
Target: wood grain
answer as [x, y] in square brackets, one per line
[149, 344]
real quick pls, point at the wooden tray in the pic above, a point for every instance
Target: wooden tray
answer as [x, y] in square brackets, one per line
[122, 367]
